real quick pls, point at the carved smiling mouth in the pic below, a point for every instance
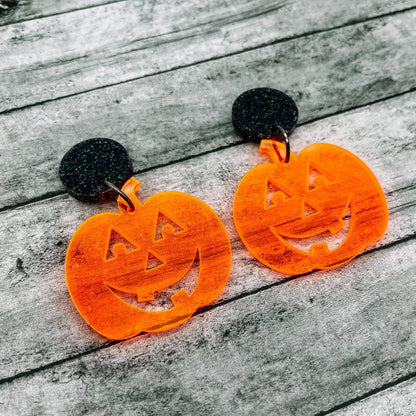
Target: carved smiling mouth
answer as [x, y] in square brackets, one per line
[162, 298]
[333, 239]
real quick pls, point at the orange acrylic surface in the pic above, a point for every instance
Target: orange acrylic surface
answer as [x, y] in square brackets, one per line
[301, 208]
[94, 278]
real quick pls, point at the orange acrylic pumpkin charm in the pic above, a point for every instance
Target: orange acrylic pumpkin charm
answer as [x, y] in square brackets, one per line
[94, 278]
[109, 255]
[342, 183]
[302, 197]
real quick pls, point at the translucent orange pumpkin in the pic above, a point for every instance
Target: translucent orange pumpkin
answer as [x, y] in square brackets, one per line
[94, 278]
[343, 183]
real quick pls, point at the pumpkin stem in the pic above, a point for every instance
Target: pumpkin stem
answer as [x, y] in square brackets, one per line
[130, 188]
[272, 149]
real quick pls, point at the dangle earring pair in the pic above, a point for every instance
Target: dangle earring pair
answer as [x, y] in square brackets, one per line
[114, 253]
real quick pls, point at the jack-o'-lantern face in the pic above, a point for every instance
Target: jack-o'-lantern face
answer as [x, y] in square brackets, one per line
[110, 253]
[300, 208]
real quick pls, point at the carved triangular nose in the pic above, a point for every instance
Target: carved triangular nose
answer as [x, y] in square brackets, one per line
[153, 261]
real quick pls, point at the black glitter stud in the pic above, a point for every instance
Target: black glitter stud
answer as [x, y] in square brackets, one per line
[256, 114]
[86, 166]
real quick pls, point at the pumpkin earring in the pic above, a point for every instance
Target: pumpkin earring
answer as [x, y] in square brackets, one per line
[299, 197]
[113, 254]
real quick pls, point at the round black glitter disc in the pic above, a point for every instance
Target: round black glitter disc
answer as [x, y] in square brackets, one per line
[256, 113]
[86, 166]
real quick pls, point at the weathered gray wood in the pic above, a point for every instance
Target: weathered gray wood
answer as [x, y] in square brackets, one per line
[188, 112]
[302, 347]
[295, 349]
[20, 10]
[39, 320]
[96, 47]
[399, 400]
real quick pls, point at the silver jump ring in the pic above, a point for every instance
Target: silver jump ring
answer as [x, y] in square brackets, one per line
[284, 133]
[121, 193]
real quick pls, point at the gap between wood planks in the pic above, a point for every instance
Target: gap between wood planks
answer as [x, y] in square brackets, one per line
[85, 368]
[227, 301]
[158, 122]
[109, 2]
[248, 293]
[370, 393]
[51, 195]
[391, 244]
[211, 59]
[397, 399]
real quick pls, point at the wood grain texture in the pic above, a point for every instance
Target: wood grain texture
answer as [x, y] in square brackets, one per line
[19, 10]
[160, 77]
[188, 112]
[41, 323]
[399, 400]
[92, 48]
[294, 349]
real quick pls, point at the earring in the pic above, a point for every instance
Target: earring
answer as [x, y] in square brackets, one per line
[308, 196]
[112, 255]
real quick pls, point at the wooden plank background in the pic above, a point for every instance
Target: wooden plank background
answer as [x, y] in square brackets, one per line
[161, 77]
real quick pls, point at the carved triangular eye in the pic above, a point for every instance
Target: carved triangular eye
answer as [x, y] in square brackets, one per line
[166, 226]
[317, 178]
[274, 192]
[117, 238]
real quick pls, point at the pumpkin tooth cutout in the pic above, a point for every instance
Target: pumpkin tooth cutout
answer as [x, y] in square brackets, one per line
[192, 231]
[324, 183]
